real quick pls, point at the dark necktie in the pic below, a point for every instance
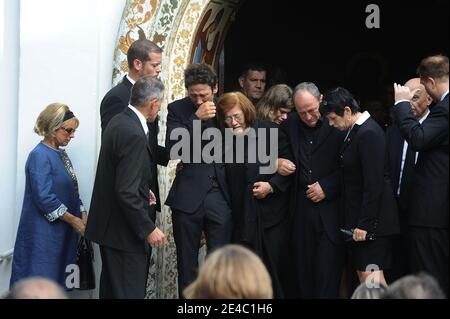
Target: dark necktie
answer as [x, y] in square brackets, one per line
[407, 178]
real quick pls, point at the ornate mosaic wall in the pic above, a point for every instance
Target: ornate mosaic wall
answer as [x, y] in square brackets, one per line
[187, 30]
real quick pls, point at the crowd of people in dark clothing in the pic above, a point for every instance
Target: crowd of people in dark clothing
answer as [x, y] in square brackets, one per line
[345, 196]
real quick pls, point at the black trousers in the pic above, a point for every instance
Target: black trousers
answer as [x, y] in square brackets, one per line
[319, 261]
[275, 256]
[214, 218]
[429, 252]
[124, 274]
[400, 257]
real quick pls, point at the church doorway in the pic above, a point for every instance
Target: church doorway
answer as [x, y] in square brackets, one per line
[321, 41]
[328, 42]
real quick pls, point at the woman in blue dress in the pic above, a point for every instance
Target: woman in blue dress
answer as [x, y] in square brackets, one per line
[52, 214]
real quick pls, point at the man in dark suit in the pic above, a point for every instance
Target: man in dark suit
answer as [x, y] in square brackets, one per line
[317, 244]
[428, 214]
[144, 59]
[121, 219]
[401, 162]
[199, 197]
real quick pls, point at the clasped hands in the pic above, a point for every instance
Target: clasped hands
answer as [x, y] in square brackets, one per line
[262, 189]
[314, 192]
[359, 234]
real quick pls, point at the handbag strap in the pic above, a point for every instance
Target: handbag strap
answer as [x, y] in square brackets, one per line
[86, 244]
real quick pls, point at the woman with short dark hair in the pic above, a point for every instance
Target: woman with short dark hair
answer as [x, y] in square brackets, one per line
[368, 203]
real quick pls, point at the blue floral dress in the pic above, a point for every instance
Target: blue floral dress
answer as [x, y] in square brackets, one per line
[46, 245]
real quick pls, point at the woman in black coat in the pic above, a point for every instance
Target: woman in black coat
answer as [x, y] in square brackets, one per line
[259, 196]
[368, 204]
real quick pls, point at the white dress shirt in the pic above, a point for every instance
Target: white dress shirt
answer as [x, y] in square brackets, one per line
[362, 119]
[141, 118]
[130, 79]
[405, 148]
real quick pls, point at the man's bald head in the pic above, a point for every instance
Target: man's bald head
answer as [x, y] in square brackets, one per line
[421, 100]
[414, 84]
[36, 288]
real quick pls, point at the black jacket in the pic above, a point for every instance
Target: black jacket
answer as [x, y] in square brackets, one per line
[120, 213]
[193, 182]
[248, 212]
[325, 169]
[368, 201]
[429, 194]
[394, 149]
[113, 103]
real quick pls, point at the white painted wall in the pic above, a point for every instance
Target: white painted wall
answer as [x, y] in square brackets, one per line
[66, 55]
[9, 70]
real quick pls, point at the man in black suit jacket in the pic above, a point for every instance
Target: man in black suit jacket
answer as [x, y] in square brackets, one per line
[428, 216]
[199, 197]
[121, 219]
[144, 59]
[317, 244]
[401, 171]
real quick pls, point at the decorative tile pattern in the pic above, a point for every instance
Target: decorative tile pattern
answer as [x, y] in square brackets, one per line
[135, 19]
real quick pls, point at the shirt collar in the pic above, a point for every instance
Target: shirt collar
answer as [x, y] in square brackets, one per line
[318, 124]
[443, 96]
[424, 117]
[130, 79]
[363, 118]
[140, 117]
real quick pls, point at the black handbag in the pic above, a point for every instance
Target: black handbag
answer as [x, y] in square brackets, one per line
[85, 259]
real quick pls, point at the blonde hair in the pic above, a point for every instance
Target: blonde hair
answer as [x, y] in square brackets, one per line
[231, 272]
[278, 96]
[51, 119]
[229, 100]
[364, 292]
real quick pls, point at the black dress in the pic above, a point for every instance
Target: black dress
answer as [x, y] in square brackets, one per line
[368, 201]
[260, 224]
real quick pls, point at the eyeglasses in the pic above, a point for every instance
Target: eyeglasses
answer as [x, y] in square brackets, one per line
[236, 117]
[69, 130]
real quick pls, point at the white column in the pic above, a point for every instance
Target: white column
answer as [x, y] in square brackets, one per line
[9, 72]
[67, 50]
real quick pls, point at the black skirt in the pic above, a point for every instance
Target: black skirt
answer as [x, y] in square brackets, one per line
[371, 255]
